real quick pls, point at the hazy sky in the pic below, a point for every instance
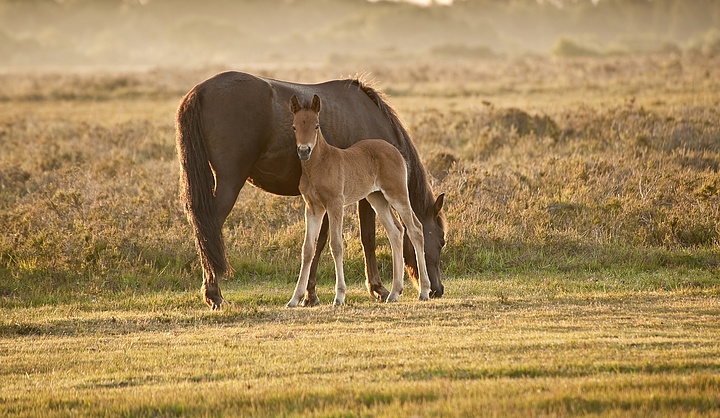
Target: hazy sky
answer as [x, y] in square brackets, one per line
[423, 2]
[227, 32]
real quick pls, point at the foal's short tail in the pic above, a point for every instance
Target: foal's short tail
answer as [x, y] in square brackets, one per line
[198, 184]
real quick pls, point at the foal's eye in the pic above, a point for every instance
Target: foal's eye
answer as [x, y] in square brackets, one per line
[317, 126]
[294, 129]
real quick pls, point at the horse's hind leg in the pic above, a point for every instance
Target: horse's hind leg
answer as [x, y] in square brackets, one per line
[224, 201]
[367, 235]
[230, 175]
[395, 235]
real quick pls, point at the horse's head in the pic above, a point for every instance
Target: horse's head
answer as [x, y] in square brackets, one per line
[434, 233]
[306, 124]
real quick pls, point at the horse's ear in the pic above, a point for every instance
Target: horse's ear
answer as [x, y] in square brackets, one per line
[439, 204]
[294, 104]
[315, 106]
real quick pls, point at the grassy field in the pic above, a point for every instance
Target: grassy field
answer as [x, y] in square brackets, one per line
[539, 349]
[582, 270]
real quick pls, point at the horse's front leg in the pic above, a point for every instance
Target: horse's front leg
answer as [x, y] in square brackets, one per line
[313, 223]
[367, 236]
[311, 297]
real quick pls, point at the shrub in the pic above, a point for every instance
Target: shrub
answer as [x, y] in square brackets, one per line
[567, 47]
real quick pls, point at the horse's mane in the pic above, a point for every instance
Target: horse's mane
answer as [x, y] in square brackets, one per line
[418, 183]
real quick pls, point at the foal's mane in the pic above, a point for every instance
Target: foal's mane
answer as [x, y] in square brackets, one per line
[421, 195]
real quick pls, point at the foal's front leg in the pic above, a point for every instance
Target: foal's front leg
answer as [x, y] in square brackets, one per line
[313, 223]
[335, 218]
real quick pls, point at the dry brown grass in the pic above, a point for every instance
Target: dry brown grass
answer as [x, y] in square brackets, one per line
[534, 178]
[582, 266]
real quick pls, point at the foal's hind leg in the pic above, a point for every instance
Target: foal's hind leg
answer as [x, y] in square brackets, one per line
[335, 220]
[395, 235]
[415, 233]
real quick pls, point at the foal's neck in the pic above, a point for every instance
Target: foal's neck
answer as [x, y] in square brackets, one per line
[322, 147]
[319, 154]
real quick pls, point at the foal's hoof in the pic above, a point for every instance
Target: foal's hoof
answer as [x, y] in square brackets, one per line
[212, 295]
[339, 301]
[310, 301]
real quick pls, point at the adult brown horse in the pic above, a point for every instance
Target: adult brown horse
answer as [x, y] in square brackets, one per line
[235, 127]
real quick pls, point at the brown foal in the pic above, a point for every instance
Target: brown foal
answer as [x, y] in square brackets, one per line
[333, 178]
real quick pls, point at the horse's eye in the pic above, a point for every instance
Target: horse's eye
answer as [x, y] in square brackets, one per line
[317, 126]
[294, 128]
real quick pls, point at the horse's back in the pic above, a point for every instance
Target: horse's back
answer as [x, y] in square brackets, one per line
[348, 114]
[247, 125]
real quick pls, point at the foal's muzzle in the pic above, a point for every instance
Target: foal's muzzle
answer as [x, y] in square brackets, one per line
[304, 152]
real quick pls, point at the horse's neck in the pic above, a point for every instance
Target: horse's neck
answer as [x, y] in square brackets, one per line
[419, 189]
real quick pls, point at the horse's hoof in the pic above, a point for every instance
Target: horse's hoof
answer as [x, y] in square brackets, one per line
[338, 302]
[392, 298]
[379, 293]
[292, 304]
[212, 295]
[310, 301]
[424, 297]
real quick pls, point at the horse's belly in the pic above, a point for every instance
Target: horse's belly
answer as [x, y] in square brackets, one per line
[276, 177]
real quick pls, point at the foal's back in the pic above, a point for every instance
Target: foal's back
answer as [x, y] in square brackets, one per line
[369, 166]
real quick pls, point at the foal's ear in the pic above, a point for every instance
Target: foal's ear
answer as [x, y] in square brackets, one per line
[439, 204]
[294, 104]
[315, 106]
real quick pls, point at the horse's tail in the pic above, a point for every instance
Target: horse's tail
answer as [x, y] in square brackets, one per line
[198, 184]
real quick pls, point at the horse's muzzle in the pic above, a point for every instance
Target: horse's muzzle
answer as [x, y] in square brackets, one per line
[437, 293]
[304, 152]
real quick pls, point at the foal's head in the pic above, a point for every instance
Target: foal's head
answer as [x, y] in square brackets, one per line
[306, 124]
